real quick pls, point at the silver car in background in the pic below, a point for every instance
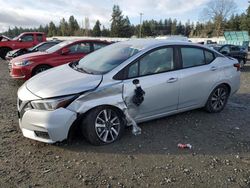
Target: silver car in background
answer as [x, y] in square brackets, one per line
[98, 93]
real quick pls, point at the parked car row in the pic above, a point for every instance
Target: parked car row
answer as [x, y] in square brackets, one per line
[28, 65]
[24, 40]
[121, 84]
[238, 52]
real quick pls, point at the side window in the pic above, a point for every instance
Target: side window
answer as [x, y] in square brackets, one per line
[209, 56]
[235, 48]
[158, 61]
[80, 48]
[133, 70]
[192, 57]
[98, 46]
[45, 46]
[225, 49]
[39, 37]
[27, 38]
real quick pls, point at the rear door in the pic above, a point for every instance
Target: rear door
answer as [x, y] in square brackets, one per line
[198, 75]
[158, 77]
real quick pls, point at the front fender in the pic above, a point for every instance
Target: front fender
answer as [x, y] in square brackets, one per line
[106, 95]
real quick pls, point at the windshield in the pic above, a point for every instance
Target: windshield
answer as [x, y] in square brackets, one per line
[58, 46]
[107, 58]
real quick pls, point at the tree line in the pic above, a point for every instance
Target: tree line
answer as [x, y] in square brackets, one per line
[121, 26]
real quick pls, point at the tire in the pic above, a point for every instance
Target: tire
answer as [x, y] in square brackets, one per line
[4, 51]
[40, 68]
[217, 99]
[102, 125]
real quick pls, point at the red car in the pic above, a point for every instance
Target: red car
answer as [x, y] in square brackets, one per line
[24, 40]
[26, 66]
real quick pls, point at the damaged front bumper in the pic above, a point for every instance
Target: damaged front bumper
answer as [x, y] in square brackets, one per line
[47, 126]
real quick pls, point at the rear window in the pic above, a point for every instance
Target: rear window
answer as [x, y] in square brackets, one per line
[40, 38]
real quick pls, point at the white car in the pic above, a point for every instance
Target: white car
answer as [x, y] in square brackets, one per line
[123, 84]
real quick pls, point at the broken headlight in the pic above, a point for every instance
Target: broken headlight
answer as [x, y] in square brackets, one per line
[52, 104]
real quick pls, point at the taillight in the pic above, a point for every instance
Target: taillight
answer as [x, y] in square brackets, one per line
[237, 66]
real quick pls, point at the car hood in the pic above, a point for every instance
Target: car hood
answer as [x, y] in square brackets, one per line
[10, 53]
[61, 81]
[31, 56]
[4, 37]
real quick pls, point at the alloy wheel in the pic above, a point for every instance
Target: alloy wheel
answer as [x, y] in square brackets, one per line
[219, 98]
[107, 125]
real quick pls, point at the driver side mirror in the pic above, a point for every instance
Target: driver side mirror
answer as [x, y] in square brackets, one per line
[65, 51]
[20, 40]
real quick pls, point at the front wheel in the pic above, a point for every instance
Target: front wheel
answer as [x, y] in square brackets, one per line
[40, 69]
[217, 99]
[103, 125]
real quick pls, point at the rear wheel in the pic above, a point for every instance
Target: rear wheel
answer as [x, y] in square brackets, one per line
[40, 69]
[217, 99]
[103, 125]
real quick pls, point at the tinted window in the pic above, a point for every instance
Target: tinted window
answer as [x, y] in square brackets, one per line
[155, 62]
[225, 49]
[97, 46]
[209, 56]
[45, 46]
[192, 57]
[39, 38]
[27, 38]
[235, 48]
[80, 48]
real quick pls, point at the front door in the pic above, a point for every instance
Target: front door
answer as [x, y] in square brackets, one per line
[158, 78]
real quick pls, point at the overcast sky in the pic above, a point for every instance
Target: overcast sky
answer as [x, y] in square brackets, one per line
[30, 13]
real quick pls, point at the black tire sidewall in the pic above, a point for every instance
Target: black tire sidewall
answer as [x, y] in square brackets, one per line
[209, 107]
[40, 67]
[88, 126]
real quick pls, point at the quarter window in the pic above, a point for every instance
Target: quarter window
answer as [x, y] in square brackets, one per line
[192, 57]
[158, 61]
[209, 56]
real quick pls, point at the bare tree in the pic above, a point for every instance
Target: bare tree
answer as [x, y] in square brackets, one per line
[218, 11]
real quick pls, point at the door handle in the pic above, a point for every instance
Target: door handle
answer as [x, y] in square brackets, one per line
[213, 68]
[172, 80]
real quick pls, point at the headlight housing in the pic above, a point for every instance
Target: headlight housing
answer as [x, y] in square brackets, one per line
[52, 104]
[23, 63]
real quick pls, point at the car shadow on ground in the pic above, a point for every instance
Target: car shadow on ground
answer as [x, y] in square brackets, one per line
[220, 133]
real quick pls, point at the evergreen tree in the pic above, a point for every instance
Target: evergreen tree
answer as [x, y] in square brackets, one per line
[97, 29]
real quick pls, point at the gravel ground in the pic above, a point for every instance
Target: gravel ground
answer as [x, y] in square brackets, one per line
[220, 156]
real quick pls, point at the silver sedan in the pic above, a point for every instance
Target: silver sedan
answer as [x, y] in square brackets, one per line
[124, 84]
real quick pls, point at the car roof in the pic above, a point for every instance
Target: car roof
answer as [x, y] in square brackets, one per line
[150, 43]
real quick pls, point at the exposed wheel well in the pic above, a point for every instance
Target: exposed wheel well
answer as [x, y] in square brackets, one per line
[38, 66]
[75, 126]
[4, 50]
[228, 87]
